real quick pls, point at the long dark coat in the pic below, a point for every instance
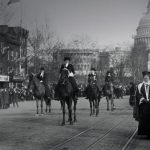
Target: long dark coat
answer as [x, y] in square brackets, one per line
[143, 110]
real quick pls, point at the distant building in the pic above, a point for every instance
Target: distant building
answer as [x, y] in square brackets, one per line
[143, 34]
[82, 59]
[117, 56]
[13, 52]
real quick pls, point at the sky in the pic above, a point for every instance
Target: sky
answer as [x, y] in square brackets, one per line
[105, 21]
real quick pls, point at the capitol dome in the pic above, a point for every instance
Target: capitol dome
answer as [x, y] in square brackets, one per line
[145, 21]
[143, 30]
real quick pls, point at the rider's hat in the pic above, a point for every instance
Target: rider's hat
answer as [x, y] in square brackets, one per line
[42, 68]
[108, 72]
[144, 73]
[93, 69]
[66, 58]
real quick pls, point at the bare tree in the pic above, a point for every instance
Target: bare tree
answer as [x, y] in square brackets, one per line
[137, 61]
[42, 44]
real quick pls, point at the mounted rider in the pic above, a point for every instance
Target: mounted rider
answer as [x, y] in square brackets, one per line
[92, 75]
[42, 76]
[109, 77]
[71, 70]
[108, 81]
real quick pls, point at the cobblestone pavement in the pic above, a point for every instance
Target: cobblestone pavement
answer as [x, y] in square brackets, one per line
[20, 129]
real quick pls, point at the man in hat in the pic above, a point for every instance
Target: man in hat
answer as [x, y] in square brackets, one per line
[143, 105]
[71, 70]
[42, 76]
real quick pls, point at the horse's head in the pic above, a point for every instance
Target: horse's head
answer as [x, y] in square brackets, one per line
[64, 75]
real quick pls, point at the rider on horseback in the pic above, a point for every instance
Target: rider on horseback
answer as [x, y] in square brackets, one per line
[70, 68]
[109, 77]
[42, 76]
[93, 76]
[108, 81]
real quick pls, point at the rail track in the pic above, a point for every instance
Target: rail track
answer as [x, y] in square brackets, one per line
[99, 139]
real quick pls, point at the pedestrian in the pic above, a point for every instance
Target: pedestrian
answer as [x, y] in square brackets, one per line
[15, 97]
[132, 94]
[143, 105]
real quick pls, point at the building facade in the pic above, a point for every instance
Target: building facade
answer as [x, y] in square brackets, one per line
[83, 59]
[142, 37]
[13, 52]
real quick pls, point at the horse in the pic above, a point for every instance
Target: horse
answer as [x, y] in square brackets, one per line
[108, 91]
[38, 90]
[94, 96]
[66, 95]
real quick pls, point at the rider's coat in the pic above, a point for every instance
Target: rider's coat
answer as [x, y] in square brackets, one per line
[69, 67]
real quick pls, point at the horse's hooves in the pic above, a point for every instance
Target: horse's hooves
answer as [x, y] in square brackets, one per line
[42, 114]
[71, 123]
[36, 115]
[75, 120]
[62, 124]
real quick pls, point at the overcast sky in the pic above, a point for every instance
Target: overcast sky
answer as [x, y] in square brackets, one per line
[106, 21]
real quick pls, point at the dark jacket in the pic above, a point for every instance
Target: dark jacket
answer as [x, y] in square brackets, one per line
[92, 76]
[70, 68]
[140, 93]
[108, 79]
[44, 78]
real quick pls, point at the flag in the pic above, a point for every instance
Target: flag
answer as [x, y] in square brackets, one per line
[13, 1]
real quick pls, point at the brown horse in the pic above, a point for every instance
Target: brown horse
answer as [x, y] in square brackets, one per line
[65, 93]
[38, 90]
[108, 90]
[94, 96]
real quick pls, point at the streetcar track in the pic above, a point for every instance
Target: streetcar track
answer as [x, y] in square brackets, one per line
[102, 137]
[129, 141]
[73, 137]
[79, 134]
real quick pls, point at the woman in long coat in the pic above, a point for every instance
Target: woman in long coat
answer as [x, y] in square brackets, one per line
[143, 105]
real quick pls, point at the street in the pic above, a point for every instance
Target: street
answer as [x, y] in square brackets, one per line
[22, 130]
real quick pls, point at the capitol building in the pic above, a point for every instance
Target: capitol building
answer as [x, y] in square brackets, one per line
[143, 33]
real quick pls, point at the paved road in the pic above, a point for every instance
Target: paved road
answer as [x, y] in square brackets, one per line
[20, 129]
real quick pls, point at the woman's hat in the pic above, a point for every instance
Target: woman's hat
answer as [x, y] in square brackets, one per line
[108, 72]
[66, 58]
[144, 73]
[93, 69]
[42, 68]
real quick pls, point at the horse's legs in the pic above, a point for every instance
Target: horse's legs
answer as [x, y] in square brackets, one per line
[69, 104]
[107, 103]
[41, 105]
[90, 107]
[63, 109]
[75, 104]
[112, 104]
[37, 106]
[49, 105]
[46, 106]
[97, 107]
[94, 106]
